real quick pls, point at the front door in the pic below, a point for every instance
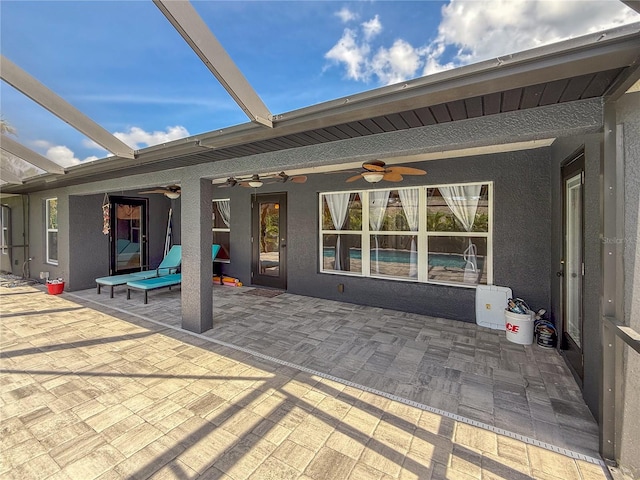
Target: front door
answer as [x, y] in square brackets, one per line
[269, 239]
[128, 240]
[573, 263]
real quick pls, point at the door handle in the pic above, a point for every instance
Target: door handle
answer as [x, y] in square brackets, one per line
[560, 274]
[283, 242]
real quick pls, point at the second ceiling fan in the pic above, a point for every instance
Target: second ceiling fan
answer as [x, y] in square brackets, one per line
[377, 170]
[256, 180]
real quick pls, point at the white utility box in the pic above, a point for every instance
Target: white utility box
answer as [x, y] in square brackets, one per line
[491, 302]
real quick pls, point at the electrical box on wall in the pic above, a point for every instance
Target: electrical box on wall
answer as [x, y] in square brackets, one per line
[491, 302]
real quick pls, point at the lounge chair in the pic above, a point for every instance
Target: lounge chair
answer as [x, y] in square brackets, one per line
[165, 281]
[169, 265]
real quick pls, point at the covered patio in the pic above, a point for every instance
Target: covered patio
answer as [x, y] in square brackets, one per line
[460, 370]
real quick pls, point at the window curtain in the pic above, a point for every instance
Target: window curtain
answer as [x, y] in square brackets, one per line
[463, 202]
[378, 200]
[225, 211]
[409, 199]
[338, 204]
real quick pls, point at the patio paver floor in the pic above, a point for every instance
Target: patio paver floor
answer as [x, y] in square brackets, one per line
[91, 391]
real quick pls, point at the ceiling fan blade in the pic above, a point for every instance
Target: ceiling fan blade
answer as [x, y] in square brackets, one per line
[392, 177]
[157, 190]
[375, 166]
[406, 170]
[354, 178]
[298, 179]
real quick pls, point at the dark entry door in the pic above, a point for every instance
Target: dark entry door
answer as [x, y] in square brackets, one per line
[128, 240]
[573, 263]
[269, 240]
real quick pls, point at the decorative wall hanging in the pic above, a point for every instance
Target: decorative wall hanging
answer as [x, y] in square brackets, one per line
[106, 207]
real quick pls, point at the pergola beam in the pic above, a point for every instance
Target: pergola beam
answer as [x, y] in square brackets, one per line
[29, 156]
[36, 91]
[197, 34]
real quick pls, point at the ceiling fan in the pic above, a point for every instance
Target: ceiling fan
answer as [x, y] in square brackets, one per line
[377, 170]
[256, 180]
[171, 191]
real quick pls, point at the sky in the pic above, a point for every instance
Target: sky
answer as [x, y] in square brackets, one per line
[124, 65]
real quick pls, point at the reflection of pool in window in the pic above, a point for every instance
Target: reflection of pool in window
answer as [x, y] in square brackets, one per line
[443, 267]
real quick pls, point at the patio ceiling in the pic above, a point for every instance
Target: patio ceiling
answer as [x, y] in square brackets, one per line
[603, 64]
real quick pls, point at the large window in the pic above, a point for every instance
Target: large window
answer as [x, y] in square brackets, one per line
[51, 215]
[435, 234]
[220, 227]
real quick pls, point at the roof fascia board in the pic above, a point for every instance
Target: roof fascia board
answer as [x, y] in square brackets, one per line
[621, 88]
[464, 82]
[603, 51]
[9, 177]
[36, 91]
[195, 32]
[29, 156]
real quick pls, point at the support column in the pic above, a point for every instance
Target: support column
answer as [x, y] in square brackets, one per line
[197, 286]
[612, 284]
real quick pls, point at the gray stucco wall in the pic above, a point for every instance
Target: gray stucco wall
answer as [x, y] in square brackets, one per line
[522, 208]
[37, 234]
[629, 119]
[562, 149]
[89, 247]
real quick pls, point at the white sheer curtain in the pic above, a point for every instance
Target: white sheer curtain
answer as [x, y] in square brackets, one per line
[225, 211]
[463, 202]
[338, 204]
[409, 199]
[378, 200]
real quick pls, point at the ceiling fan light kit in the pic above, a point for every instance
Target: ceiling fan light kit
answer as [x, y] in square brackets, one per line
[373, 177]
[376, 171]
[172, 195]
[255, 183]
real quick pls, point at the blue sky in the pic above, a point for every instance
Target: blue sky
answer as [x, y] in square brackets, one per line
[122, 63]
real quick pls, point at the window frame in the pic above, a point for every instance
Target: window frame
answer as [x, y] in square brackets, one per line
[5, 225]
[50, 261]
[422, 234]
[227, 230]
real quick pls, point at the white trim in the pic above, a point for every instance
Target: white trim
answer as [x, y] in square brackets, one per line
[48, 230]
[225, 230]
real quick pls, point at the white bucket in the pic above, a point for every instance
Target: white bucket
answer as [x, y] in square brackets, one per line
[519, 327]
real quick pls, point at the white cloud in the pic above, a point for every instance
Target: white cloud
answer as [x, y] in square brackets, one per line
[64, 156]
[371, 28]
[397, 63]
[487, 29]
[137, 138]
[346, 15]
[472, 31]
[348, 52]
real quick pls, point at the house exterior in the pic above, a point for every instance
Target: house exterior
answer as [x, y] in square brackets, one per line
[546, 142]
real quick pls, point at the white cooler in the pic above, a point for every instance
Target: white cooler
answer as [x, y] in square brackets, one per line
[491, 301]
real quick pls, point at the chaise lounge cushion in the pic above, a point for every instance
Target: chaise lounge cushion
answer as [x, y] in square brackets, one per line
[161, 282]
[169, 265]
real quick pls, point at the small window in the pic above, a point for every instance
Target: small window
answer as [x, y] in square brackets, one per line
[52, 230]
[220, 227]
[5, 230]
